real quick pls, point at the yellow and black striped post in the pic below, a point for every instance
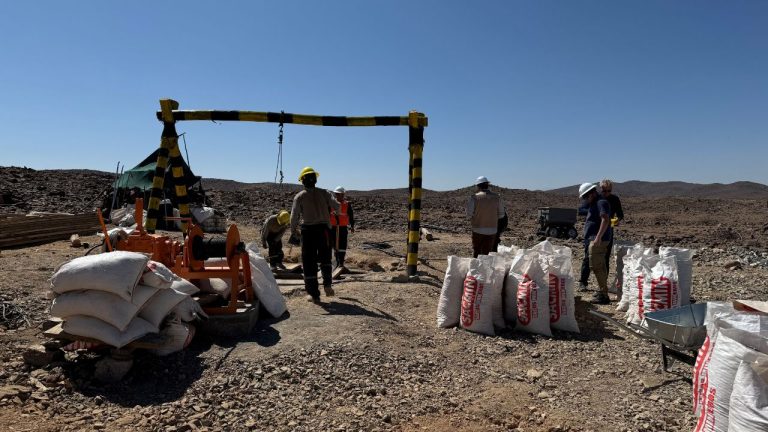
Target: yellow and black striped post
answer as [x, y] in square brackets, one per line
[416, 148]
[169, 146]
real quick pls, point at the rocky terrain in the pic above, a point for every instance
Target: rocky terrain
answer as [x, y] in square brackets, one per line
[371, 358]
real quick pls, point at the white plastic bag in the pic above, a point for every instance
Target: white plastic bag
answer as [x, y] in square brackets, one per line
[476, 309]
[749, 399]
[95, 328]
[562, 308]
[449, 305]
[114, 272]
[684, 261]
[158, 275]
[532, 295]
[98, 304]
[264, 283]
[731, 347]
[177, 336]
[660, 288]
[160, 305]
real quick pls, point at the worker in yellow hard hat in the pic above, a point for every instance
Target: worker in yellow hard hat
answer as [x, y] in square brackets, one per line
[272, 237]
[312, 208]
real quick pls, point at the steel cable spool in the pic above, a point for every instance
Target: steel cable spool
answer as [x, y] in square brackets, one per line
[204, 248]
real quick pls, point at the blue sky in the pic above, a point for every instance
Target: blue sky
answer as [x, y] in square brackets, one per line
[533, 94]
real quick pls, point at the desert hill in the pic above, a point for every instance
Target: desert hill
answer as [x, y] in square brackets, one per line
[637, 188]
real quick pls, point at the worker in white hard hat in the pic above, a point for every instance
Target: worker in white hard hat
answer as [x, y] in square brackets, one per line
[272, 237]
[342, 223]
[311, 207]
[597, 236]
[484, 209]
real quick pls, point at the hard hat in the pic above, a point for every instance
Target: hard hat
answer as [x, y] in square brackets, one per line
[481, 180]
[585, 188]
[340, 190]
[283, 217]
[308, 170]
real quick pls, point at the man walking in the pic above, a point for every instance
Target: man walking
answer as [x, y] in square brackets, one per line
[313, 205]
[484, 209]
[342, 223]
[597, 235]
[272, 237]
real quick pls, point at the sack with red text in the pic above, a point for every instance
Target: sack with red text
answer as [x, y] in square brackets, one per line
[732, 346]
[631, 270]
[532, 295]
[660, 289]
[721, 315]
[449, 305]
[749, 399]
[684, 261]
[562, 309]
[477, 297]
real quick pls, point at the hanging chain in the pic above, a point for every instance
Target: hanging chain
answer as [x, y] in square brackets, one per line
[279, 167]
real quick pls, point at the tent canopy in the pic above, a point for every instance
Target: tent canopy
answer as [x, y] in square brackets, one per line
[141, 175]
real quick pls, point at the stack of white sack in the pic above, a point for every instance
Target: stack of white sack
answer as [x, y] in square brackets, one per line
[730, 390]
[654, 282]
[264, 283]
[492, 292]
[119, 297]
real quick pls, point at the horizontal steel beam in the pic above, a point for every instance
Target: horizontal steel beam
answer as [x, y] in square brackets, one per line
[305, 119]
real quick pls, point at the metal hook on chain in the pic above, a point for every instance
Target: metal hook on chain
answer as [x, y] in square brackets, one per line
[279, 167]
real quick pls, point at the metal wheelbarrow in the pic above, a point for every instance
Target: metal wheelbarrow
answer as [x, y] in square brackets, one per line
[680, 331]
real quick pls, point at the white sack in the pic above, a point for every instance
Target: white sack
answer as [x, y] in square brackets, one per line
[639, 269]
[731, 348]
[158, 275]
[749, 399]
[102, 305]
[95, 328]
[562, 308]
[721, 315]
[177, 336]
[218, 286]
[114, 272]
[184, 286]
[159, 306]
[684, 260]
[201, 214]
[264, 283]
[532, 295]
[500, 270]
[188, 310]
[660, 288]
[449, 305]
[629, 287]
[476, 309]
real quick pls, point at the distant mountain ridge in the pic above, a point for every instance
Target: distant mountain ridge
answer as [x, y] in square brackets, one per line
[637, 188]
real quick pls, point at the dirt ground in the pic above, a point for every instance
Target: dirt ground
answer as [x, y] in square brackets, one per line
[370, 358]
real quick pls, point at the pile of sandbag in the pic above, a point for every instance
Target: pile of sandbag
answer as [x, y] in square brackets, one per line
[654, 282]
[531, 289]
[730, 377]
[119, 297]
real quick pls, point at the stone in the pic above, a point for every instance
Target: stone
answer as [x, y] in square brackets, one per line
[110, 370]
[37, 356]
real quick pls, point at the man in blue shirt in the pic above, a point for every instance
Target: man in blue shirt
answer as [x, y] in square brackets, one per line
[597, 235]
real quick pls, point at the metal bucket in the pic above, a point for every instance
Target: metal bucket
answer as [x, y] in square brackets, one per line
[682, 326]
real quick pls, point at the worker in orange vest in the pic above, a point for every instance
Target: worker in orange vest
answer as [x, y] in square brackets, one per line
[342, 223]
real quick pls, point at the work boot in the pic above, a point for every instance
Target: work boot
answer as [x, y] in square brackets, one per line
[583, 287]
[281, 266]
[600, 298]
[328, 291]
[273, 267]
[315, 300]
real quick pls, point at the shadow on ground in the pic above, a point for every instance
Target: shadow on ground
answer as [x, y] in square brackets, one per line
[354, 307]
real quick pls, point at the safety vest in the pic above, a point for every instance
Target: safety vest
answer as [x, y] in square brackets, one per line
[343, 216]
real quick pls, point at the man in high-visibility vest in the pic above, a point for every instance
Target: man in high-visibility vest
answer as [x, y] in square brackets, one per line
[342, 223]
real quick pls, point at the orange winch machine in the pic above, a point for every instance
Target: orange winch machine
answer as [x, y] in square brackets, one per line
[187, 259]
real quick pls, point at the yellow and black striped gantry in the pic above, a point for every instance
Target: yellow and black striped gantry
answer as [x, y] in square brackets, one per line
[169, 155]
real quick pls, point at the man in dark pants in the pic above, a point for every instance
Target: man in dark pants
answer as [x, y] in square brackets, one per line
[617, 214]
[597, 235]
[313, 205]
[272, 237]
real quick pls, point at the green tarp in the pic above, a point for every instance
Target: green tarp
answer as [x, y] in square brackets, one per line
[141, 175]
